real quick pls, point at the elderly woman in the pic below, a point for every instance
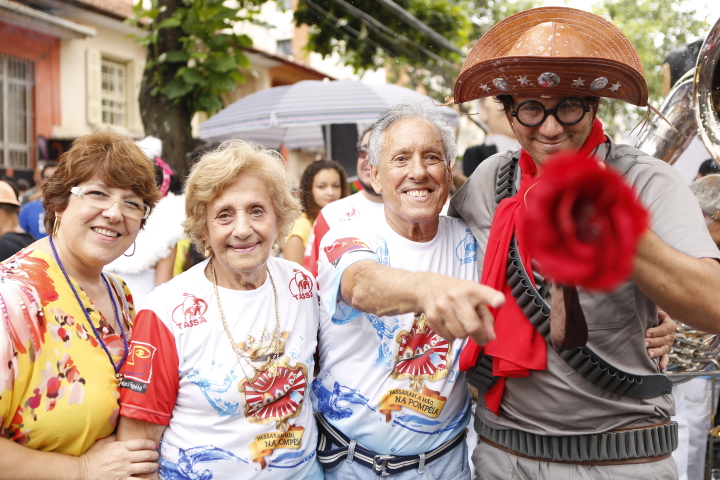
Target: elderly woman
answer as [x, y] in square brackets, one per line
[222, 355]
[66, 325]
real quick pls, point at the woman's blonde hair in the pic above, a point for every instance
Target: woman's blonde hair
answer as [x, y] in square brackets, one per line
[222, 167]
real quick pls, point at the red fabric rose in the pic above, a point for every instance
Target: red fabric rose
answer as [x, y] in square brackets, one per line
[582, 223]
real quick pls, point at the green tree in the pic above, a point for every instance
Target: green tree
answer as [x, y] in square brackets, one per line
[193, 58]
[654, 27]
[367, 35]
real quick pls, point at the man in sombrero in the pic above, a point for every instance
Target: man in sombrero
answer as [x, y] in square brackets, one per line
[566, 389]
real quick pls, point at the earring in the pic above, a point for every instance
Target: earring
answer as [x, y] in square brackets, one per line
[208, 251]
[56, 226]
[133, 252]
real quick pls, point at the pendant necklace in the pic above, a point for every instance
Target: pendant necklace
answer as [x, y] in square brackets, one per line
[116, 367]
[242, 356]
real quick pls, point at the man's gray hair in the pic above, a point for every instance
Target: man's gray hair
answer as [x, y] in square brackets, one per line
[707, 192]
[415, 110]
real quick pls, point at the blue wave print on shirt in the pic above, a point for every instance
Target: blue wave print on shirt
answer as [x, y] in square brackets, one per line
[190, 464]
[213, 391]
[384, 332]
[290, 459]
[328, 403]
[422, 424]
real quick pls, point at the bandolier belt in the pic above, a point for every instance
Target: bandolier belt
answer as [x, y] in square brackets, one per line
[636, 445]
[532, 300]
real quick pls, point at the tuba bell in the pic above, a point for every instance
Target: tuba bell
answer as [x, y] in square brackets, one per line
[692, 107]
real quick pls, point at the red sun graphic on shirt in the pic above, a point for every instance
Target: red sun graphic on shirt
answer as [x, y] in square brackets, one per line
[278, 398]
[422, 354]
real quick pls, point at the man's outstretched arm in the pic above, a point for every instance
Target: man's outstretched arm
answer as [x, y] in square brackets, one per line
[454, 308]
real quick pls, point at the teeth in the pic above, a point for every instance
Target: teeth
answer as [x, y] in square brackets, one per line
[417, 193]
[108, 233]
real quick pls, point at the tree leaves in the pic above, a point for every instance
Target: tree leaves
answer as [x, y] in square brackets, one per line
[212, 57]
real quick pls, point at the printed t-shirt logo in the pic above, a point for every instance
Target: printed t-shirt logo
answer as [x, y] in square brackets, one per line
[422, 355]
[190, 312]
[467, 250]
[349, 214]
[275, 399]
[138, 367]
[341, 246]
[300, 285]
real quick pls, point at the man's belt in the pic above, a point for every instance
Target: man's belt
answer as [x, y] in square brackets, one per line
[637, 445]
[534, 305]
[381, 465]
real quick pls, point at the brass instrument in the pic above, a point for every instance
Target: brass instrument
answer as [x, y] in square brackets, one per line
[692, 107]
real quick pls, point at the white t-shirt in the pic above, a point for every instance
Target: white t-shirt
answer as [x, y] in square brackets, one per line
[355, 206]
[182, 372]
[391, 383]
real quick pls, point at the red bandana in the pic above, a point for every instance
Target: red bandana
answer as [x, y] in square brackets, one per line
[518, 347]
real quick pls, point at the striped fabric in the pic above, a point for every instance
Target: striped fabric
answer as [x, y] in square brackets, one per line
[293, 115]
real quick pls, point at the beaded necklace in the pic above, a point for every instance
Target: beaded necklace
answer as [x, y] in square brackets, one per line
[117, 366]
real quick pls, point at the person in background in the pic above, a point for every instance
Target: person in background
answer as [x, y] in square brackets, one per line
[149, 262]
[693, 398]
[32, 214]
[322, 182]
[67, 325]
[223, 353]
[22, 186]
[499, 137]
[365, 202]
[34, 192]
[187, 255]
[12, 236]
[707, 167]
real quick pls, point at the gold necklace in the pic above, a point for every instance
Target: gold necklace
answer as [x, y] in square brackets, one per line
[272, 362]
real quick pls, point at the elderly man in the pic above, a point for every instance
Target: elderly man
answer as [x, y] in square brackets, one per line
[389, 395]
[602, 410]
[365, 202]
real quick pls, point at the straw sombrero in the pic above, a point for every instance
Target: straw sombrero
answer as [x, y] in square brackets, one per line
[554, 51]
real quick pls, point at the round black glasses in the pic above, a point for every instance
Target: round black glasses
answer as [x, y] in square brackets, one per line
[568, 111]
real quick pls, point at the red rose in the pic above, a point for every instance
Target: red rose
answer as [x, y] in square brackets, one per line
[582, 223]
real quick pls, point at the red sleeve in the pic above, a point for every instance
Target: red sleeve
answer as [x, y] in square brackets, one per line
[312, 252]
[150, 374]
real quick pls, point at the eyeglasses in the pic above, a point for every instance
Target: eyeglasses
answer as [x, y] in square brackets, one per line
[362, 152]
[714, 217]
[568, 111]
[103, 200]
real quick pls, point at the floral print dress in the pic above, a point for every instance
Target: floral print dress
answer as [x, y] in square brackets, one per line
[58, 390]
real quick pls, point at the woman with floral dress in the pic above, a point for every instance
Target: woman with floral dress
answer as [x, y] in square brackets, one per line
[66, 326]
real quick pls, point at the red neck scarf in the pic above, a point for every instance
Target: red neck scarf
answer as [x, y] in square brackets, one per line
[518, 347]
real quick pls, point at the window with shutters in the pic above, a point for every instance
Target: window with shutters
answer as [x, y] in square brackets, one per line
[16, 111]
[114, 93]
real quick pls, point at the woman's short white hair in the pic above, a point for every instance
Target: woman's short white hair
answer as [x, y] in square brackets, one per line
[419, 109]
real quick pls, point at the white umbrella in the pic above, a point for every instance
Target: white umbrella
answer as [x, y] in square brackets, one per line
[294, 115]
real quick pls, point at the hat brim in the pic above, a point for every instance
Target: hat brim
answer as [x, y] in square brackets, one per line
[616, 61]
[521, 73]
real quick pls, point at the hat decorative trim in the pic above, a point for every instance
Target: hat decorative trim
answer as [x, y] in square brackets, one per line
[553, 49]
